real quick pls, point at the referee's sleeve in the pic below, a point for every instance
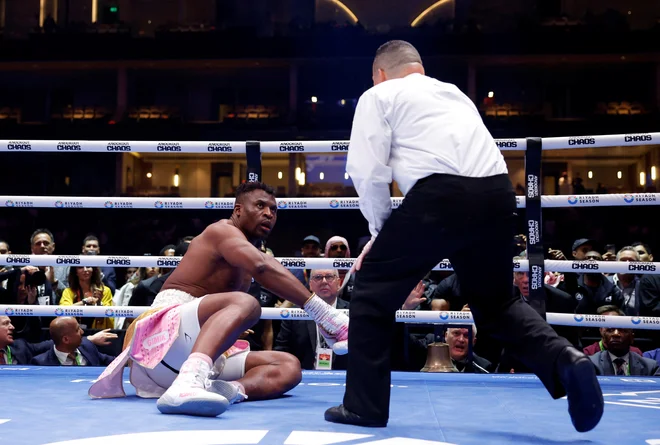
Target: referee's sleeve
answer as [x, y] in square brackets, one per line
[367, 161]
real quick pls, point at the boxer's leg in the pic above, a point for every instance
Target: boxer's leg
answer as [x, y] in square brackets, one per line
[259, 375]
[218, 322]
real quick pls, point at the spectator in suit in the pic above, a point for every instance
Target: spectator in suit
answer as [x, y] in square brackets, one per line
[628, 283]
[20, 352]
[457, 340]
[601, 345]
[617, 358]
[301, 338]
[70, 348]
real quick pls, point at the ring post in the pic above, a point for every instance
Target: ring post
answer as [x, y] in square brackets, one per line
[535, 253]
[253, 155]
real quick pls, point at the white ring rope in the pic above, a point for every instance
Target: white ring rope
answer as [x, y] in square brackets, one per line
[552, 143]
[87, 202]
[432, 317]
[313, 263]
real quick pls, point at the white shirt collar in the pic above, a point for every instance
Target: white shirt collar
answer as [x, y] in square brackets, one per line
[63, 357]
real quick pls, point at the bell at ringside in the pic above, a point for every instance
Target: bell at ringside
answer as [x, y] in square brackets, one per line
[438, 359]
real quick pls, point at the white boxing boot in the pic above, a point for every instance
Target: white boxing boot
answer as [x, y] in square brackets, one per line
[188, 393]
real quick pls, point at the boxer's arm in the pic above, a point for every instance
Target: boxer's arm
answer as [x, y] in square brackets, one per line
[266, 270]
[367, 161]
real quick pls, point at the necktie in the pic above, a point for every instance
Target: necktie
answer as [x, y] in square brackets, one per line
[619, 362]
[73, 356]
[3, 361]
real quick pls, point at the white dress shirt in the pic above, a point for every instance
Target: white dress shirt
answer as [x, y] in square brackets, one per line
[410, 128]
[65, 360]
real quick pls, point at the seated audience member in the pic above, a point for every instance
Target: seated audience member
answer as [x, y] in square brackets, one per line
[91, 246]
[87, 289]
[457, 340]
[628, 283]
[653, 355]
[123, 296]
[302, 338]
[601, 345]
[569, 281]
[644, 251]
[146, 290]
[337, 247]
[617, 357]
[20, 352]
[594, 290]
[70, 348]
[311, 248]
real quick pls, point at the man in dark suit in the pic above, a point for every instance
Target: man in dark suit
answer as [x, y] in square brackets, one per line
[70, 348]
[302, 339]
[616, 358]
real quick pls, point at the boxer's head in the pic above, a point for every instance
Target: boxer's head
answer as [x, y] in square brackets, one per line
[396, 59]
[255, 210]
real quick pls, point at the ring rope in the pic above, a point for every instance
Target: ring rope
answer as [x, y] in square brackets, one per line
[552, 143]
[402, 316]
[87, 202]
[588, 266]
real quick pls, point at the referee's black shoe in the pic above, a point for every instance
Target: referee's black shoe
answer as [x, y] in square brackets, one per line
[577, 374]
[339, 414]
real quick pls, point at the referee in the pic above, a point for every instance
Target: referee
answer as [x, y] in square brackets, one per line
[429, 137]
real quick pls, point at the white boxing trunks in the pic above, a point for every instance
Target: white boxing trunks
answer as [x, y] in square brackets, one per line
[166, 371]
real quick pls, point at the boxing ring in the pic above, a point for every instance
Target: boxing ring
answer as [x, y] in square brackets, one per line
[51, 405]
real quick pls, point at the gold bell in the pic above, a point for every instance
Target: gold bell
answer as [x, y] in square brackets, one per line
[438, 359]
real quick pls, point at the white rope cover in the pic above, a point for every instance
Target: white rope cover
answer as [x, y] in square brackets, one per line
[434, 317]
[313, 263]
[88, 202]
[552, 143]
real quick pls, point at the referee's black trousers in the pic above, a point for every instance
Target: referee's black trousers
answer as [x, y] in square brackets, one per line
[470, 221]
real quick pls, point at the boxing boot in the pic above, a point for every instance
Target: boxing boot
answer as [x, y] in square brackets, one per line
[188, 393]
[339, 414]
[585, 398]
[232, 391]
[332, 323]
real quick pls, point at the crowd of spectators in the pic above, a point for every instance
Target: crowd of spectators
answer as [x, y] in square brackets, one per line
[94, 341]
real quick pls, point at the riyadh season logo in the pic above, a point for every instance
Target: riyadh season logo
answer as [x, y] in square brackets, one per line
[572, 200]
[636, 320]
[59, 204]
[284, 313]
[108, 205]
[9, 312]
[578, 317]
[334, 204]
[208, 204]
[282, 205]
[9, 203]
[59, 312]
[109, 312]
[444, 315]
[628, 198]
[159, 204]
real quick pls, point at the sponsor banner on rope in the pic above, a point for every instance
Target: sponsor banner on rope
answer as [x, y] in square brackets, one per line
[168, 204]
[292, 147]
[168, 261]
[536, 278]
[444, 265]
[15, 311]
[18, 203]
[226, 204]
[532, 186]
[287, 314]
[585, 265]
[506, 143]
[653, 321]
[68, 312]
[19, 146]
[124, 204]
[118, 146]
[18, 260]
[583, 200]
[581, 141]
[168, 147]
[339, 146]
[128, 313]
[396, 202]
[293, 263]
[641, 267]
[219, 147]
[66, 260]
[450, 316]
[292, 204]
[637, 138]
[351, 203]
[342, 263]
[534, 234]
[122, 261]
[68, 146]
[66, 204]
[640, 198]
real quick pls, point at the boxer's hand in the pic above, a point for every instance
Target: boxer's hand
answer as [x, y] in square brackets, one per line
[246, 334]
[358, 263]
[332, 323]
